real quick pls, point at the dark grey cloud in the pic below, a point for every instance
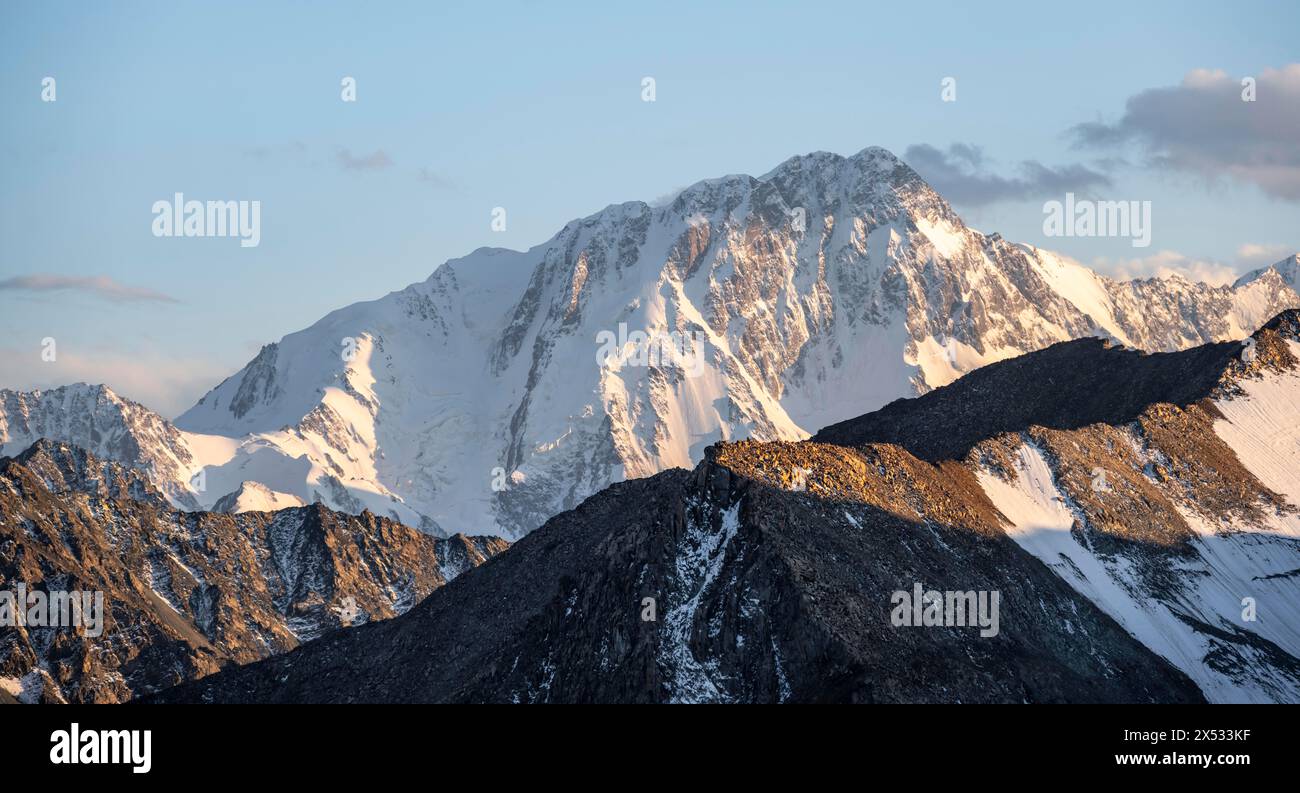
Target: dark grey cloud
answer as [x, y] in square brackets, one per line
[962, 176]
[1204, 127]
[366, 162]
[100, 286]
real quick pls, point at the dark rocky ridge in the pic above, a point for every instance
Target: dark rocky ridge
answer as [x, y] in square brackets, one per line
[1146, 423]
[1069, 385]
[763, 595]
[188, 592]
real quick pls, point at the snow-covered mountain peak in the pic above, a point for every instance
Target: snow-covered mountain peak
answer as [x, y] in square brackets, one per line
[104, 423]
[255, 497]
[1287, 271]
[509, 385]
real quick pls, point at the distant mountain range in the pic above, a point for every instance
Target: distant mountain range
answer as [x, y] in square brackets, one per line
[1136, 515]
[486, 399]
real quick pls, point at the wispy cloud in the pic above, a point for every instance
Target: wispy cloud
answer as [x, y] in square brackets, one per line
[962, 176]
[1164, 264]
[99, 286]
[1204, 127]
[378, 160]
[1253, 256]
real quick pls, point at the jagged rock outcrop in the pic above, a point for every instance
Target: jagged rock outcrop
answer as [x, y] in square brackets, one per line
[186, 593]
[109, 426]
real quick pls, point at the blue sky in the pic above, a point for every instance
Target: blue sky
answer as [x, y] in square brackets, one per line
[537, 108]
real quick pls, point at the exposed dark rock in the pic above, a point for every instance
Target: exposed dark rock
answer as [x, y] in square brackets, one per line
[761, 595]
[1067, 386]
[188, 592]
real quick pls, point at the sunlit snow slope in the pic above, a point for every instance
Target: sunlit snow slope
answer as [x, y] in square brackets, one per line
[482, 399]
[1195, 551]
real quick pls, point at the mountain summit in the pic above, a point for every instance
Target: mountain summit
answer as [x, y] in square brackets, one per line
[510, 385]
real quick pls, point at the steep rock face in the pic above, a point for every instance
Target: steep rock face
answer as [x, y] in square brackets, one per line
[185, 593]
[510, 385]
[759, 595]
[109, 426]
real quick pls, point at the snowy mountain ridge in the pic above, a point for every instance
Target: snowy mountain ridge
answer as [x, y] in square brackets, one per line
[479, 401]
